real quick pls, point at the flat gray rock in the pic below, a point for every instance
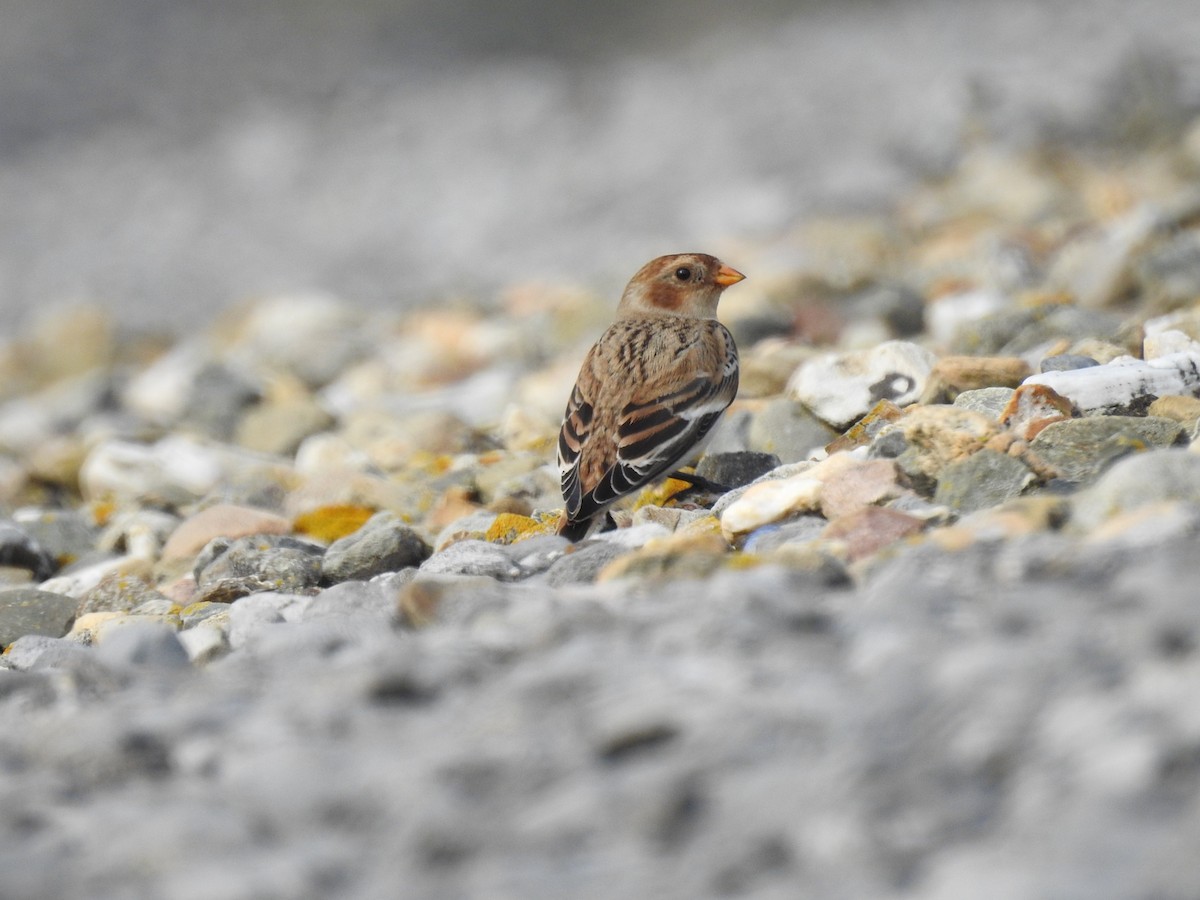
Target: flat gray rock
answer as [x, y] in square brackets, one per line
[985, 478]
[1080, 449]
[30, 611]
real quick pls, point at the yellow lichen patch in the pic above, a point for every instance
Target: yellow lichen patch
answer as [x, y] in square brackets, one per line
[102, 511]
[706, 525]
[660, 494]
[328, 523]
[508, 528]
[429, 463]
[740, 561]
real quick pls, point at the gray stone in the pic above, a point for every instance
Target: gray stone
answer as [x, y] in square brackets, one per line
[217, 399]
[118, 593]
[229, 569]
[1169, 273]
[537, 554]
[89, 676]
[251, 615]
[794, 531]
[731, 433]
[452, 600]
[383, 544]
[984, 479]
[375, 601]
[30, 611]
[142, 645]
[1066, 361]
[1151, 477]
[733, 470]
[1014, 332]
[471, 557]
[38, 651]
[583, 564]
[195, 613]
[900, 307]
[1080, 449]
[989, 401]
[788, 430]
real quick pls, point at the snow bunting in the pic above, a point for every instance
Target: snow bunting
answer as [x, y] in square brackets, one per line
[650, 390]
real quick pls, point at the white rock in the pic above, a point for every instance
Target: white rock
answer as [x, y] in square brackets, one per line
[204, 643]
[770, 501]
[30, 420]
[633, 537]
[1167, 342]
[313, 336]
[80, 581]
[947, 315]
[325, 451]
[841, 387]
[142, 532]
[1125, 384]
[177, 469]
[160, 392]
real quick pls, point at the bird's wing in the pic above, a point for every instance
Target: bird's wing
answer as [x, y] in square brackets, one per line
[664, 420]
[576, 428]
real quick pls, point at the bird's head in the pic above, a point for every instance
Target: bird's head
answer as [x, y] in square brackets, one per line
[682, 284]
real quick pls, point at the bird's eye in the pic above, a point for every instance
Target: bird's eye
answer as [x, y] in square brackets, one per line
[683, 273]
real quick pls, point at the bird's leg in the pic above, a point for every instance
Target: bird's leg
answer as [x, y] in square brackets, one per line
[609, 523]
[699, 483]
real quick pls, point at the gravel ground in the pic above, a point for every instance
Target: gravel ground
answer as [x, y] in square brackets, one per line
[281, 613]
[962, 725]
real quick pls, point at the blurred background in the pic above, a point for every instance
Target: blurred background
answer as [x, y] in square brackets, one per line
[168, 157]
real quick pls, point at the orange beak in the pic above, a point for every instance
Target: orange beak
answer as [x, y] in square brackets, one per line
[726, 276]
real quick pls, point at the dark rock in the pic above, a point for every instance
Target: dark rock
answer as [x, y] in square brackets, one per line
[383, 544]
[218, 397]
[66, 535]
[736, 469]
[19, 550]
[226, 570]
[900, 307]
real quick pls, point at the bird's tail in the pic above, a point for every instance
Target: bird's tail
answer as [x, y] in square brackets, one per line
[573, 531]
